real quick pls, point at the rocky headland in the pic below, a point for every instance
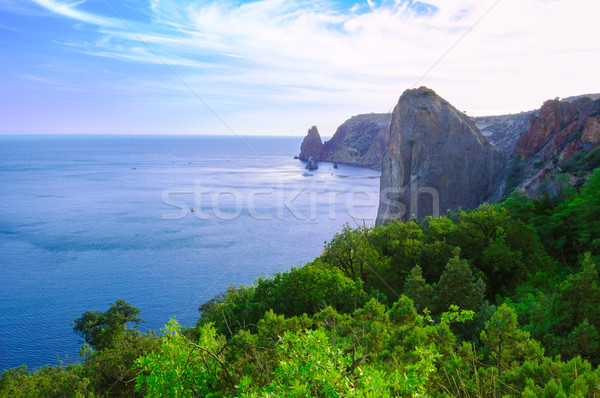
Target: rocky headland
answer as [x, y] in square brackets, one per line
[427, 143]
[436, 160]
[360, 140]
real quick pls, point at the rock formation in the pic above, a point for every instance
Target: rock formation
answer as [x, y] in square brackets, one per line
[360, 140]
[436, 160]
[312, 164]
[503, 131]
[555, 127]
[312, 146]
[562, 138]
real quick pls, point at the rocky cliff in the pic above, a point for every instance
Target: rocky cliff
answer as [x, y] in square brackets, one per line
[436, 159]
[556, 128]
[563, 138]
[503, 131]
[360, 140]
[312, 146]
[547, 147]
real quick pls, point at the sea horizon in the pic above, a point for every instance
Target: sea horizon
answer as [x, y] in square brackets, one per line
[87, 220]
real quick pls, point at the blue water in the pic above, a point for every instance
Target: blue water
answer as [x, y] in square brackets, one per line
[87, 220]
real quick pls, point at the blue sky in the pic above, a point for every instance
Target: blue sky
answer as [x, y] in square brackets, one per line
[279, 67]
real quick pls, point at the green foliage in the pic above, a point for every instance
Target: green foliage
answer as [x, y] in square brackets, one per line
[49, 381]
[581, 164]
[102, 329]
[458, 286]
[110, 370]
[329, 360]
[295, 292]
[181, 368]
[505, 343]
[418, 289]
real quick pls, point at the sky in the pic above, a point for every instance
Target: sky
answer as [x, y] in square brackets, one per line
[279, 67]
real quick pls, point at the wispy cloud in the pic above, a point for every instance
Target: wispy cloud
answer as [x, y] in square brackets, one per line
[70, 10]
[36, 79]
[363, 54]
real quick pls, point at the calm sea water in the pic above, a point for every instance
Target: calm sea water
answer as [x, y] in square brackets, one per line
[88, 220]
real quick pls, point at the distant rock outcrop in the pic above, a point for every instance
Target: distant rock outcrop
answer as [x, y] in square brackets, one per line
[503, 131]
[312, 164]
[360, 140]
[436, 160]
[312, 146]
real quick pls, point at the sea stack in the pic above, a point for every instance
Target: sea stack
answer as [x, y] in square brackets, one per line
[436, 160]
[312, 146]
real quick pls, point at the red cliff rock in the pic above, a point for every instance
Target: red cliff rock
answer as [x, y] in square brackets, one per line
[558, 124]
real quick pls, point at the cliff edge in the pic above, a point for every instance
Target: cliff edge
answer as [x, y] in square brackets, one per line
[436, 160]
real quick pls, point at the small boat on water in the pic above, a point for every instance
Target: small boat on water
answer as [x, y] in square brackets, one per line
[307, 174]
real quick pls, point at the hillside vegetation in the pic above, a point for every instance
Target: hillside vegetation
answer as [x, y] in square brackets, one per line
[503, 300]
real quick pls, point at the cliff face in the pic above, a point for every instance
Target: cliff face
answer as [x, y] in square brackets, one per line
[556, 126]
[360, 140]
[562, 139]
[435, 155]
[503, 131]
[312, 146]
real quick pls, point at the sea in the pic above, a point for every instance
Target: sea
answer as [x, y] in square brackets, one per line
[163, 222]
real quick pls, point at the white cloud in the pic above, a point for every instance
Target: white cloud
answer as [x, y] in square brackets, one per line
[70, 10]
[295, 51]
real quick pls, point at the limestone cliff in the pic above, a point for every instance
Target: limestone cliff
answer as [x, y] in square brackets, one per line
[503, 131]
[436, 160]
[360, 140]
[312, 146]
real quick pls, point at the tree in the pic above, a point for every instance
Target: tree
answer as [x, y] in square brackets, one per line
[182, 368]
[458, 286]
[505, 345]
[418, 289]
[101, 329]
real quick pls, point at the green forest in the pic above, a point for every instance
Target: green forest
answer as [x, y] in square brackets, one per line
[502, 300]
